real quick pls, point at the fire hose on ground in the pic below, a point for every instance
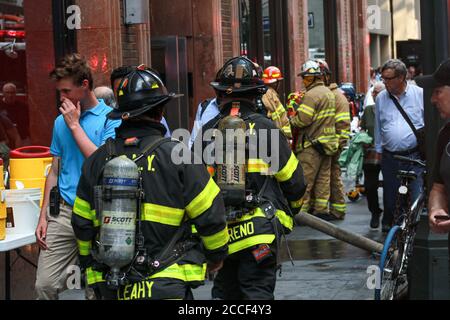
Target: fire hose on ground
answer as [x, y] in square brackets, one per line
[338, 233]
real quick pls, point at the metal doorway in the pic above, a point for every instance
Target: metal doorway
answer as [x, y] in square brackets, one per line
[169, 57]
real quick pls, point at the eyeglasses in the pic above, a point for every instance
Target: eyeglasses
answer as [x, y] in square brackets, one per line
[389, 79]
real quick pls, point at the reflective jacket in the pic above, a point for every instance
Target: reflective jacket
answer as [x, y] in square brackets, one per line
[342, 116]
[316, 119]
[277, 112]
[173, 194]
[285, 185]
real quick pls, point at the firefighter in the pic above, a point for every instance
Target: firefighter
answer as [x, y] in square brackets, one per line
[317, 142]
[258, 208]
[271, 100]
[182, 220]
[337, 195]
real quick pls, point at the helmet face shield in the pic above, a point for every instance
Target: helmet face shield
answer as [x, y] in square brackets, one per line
[310, 68]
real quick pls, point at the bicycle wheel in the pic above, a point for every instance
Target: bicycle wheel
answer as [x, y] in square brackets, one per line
[389, 267]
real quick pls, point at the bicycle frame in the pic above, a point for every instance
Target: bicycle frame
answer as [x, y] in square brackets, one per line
[399, 243]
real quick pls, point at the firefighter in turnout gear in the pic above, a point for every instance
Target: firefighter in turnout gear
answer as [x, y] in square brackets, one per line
[271, 100]
[180, 219]
[261, 215]
[317, 142]
[337, 194]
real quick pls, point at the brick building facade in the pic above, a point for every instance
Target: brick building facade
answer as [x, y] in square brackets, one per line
[207, 33]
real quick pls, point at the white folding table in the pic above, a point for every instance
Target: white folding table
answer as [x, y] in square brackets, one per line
[14, 242]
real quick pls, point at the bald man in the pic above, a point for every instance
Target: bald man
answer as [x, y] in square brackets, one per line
[16, 111]
[107, 95]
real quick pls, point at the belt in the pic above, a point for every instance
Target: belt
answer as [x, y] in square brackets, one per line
[403, 153]
[64, 203]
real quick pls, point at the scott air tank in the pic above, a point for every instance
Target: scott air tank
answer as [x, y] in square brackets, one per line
[231, 173]
[118, 214]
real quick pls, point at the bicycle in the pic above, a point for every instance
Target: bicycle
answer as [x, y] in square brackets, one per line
[398, 245]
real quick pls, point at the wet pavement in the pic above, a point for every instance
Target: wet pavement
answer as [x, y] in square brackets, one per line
[324, 268]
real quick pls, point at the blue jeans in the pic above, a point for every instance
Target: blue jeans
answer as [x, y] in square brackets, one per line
[389, 168]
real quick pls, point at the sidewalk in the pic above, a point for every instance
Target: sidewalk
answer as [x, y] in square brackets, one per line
[325, 268]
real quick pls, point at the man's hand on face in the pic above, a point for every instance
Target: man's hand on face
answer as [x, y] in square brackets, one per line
[71, 113]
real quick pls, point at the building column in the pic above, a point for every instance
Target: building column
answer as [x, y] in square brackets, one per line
[99, 38]
[40, 62]
[297, 41]
[361, 41]
[345, 57]
[207, 46]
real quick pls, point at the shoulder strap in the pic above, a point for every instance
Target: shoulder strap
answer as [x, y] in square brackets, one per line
[152, 147]
[405, 116]
[111, 149]
[204, 105]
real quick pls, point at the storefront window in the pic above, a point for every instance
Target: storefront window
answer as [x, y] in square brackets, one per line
[316, 27]
[245, 26]
[14, 113]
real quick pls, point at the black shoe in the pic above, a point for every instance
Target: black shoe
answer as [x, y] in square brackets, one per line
[375, 221]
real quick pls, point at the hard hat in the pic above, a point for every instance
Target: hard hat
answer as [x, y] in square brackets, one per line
[272, 75]
[349, 90]
[138, 92]
[324, 66]
[310, 68]
[239, 74]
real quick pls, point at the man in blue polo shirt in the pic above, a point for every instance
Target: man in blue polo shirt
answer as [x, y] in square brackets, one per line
[78, 132]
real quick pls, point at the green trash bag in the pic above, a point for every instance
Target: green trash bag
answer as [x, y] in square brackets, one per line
[352, 158]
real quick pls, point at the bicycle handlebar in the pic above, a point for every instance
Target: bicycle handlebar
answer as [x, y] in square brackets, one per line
[418, 162]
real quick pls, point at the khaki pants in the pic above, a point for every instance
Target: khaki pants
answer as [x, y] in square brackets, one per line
[337, 196]
[316, 170]
[62, 252]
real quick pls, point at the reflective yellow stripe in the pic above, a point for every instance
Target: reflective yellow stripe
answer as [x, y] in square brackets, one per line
[250, 242]
[339, 207]
[82, 208]
[84, 247]
[184, 272]
[322, 201]
[305, 208]
[162, 214]
[285, 219]
[93, 277]
[325, 114]
[286, 173]
[193, 229]
[344, 116]
[257, 213]
[203, 200]
[257, 166]
[217, 240]
[287, 129]
[280, 109]
[275, 116]
[306, 109]
[296, 204]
